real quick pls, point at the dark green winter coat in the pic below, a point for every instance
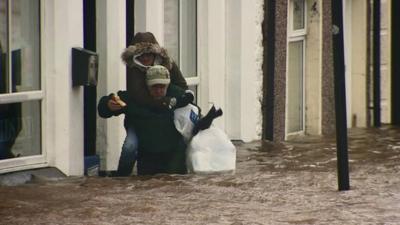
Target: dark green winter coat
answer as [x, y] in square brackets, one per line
[155, 129]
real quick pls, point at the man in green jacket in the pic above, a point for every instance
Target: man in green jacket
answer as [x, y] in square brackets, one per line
[143, 53]
[161, 147]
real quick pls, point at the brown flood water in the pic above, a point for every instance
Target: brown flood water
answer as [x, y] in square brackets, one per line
[290, 183]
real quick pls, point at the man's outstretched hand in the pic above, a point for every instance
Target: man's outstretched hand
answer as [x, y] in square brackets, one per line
[115, 103]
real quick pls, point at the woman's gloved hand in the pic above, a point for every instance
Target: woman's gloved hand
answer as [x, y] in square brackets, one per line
[185, 99]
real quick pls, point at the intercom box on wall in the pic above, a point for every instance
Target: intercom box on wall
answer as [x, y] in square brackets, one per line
[84, 67]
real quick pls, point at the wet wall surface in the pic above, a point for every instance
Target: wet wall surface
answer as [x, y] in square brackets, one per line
[294, 182]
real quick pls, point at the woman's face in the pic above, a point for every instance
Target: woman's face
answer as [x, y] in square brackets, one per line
[146, 59]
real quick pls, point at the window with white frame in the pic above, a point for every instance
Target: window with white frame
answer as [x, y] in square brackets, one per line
[295, 67]
[20, 80]
[180, 37]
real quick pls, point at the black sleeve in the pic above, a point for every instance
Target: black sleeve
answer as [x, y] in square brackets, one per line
[103, 109]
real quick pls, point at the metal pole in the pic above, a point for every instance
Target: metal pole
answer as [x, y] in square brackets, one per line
[340, 96]
[377, 62]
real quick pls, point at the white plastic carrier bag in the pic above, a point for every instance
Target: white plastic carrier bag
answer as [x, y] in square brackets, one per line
[184, 119]
[211, 151]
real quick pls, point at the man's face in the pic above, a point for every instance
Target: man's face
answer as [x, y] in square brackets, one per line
[158, 90]
[146, 59]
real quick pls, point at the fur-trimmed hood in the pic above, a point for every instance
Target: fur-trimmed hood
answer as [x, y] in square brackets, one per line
[130, 54]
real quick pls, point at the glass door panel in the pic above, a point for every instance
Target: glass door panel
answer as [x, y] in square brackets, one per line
[171, 28]
[295, 87]
[25, 45]
[180, 36]
[188, 56]
[20, 129]
[20, 84]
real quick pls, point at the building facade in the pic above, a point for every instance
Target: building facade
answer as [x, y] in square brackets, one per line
[302, 100]
[267, 64]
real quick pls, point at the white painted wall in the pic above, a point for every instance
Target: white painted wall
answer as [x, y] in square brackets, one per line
[213, 73]
[233, 68]
[388, 53]
[251, 72]
[359, 62]
[111, 34]
[202, 53]
[347, 25]
[243, 69]
[313, 67]
[63, 132]
[385, 63]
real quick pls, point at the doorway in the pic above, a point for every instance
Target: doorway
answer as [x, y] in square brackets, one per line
[295, 77]
[90, 92]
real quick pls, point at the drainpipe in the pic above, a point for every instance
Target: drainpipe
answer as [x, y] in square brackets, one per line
[268, 29]
[377, 62]
[340, 95]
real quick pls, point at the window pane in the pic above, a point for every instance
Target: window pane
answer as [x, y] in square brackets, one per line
[3, 47]
[25, 45]
[188, 49]
[171, 28]
[295, 87]
[20, 130]
[298, 14]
